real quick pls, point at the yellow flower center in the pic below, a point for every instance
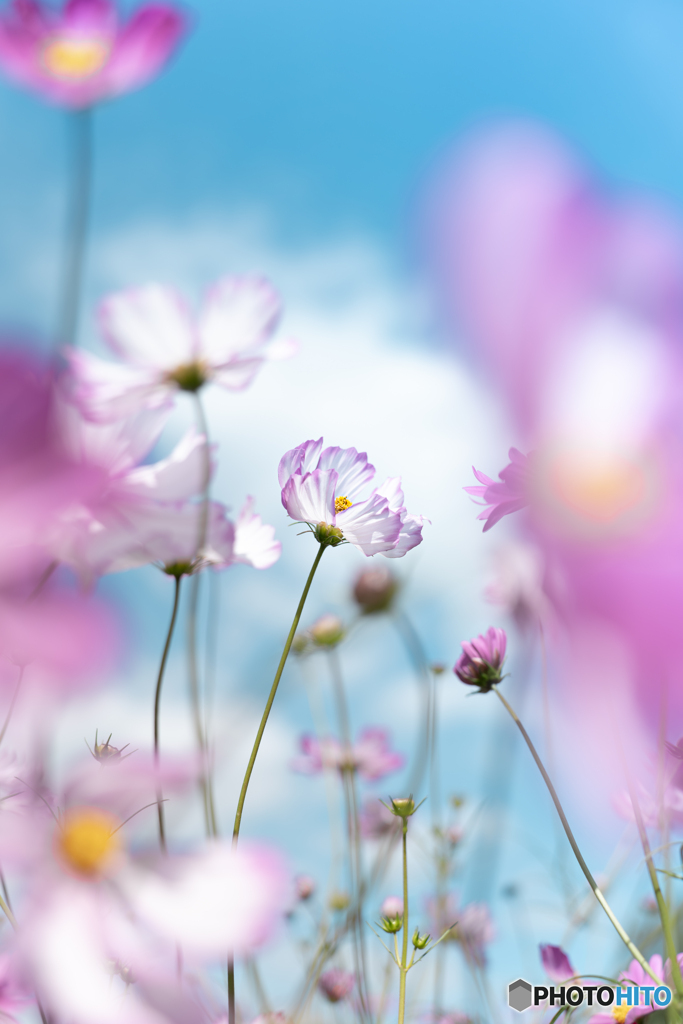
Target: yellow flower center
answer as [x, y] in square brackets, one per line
[74, 58]
[620, 1013]
[87, 840]
[341, 503]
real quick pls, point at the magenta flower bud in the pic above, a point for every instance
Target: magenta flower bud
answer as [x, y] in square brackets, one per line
[375, 589]
[305, 887]
[556, 963]
[392, 907]
[482, 659]
[336, 984]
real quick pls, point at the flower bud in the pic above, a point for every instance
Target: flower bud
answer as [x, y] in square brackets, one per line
[482, 659]
[304, 886]
[327, 631]
[328, 536]
[392, 924]
[300, 643]
[437, 668]
[339, 901]
[454, 834]
[105, 753]
[403, 807]
[375, 589]
[420, 941]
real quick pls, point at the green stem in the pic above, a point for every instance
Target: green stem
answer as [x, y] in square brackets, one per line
[669, 943]
[157, 702]
[78, 215]
[255, 750]
[633, 949]
[404, 950]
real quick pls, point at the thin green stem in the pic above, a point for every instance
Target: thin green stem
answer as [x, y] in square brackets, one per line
[404, 949]
[80, 124]
[157, 703]
[632, 948]
[205, 781]
[667, 931]
[255, 750]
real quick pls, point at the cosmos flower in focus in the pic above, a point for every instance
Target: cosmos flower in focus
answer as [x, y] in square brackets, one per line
[510, 495]
[482, 659]
[324, 489]
[370, 755]
[84, 54]
[166, 350]
[635, 975]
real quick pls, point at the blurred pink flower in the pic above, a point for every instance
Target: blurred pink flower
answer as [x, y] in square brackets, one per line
[370, 755]
[336, 984]
[392, 906]
[304, 887]
[482, 659]
[82, 54]
[470, 926]
[89, 901]
[166, 350]
[376, 820]
[324, 488]
[510, 495]
[556, 963]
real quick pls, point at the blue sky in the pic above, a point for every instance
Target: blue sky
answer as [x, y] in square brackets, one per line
[296, 137]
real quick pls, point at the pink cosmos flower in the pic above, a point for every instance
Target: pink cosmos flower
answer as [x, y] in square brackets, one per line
[556, 963]
[482, 659]
[336, 984]
[635, 975]
[82, 54]
[470, 926]
[88, 901]
[510, 495]
[376, 820]
[370, 755]
[323, 488]
[166, 350]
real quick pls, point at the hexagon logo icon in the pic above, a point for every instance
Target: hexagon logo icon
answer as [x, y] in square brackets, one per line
[519, 995]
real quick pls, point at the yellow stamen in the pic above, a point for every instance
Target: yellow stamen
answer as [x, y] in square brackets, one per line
[341, 503]
[620, 1013]
[74, 58]
[87, 840]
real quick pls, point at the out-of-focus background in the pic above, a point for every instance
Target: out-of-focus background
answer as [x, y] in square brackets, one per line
[299, 139]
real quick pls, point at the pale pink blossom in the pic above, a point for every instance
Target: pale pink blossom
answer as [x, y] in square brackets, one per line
[392, 906]
[324, 488]
[83, 54]
[376, 820]
[470, 925]
[336, 984]
[370, 755]
[165, 349]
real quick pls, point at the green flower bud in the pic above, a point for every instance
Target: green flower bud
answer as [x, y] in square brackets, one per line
[339, 901]
[403, 807]
[327, 631]
[327, 535]
[391, 924]
[420, 941]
